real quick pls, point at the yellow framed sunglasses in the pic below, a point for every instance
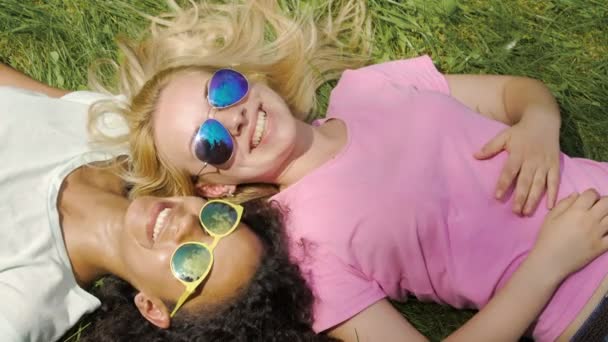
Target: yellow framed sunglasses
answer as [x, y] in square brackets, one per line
[191, 261]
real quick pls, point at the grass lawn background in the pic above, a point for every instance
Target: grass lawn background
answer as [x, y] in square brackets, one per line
[562, 42]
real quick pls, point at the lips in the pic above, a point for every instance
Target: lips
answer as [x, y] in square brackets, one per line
[258, 128]
[161, 223]
[154, 219]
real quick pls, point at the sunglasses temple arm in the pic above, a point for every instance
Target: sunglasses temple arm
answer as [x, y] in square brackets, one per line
[202, 168]
[180, 302]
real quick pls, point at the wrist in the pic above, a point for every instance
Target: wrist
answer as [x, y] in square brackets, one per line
[547, 269]
[542, 116]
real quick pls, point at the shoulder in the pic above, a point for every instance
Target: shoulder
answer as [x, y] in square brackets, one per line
[10, 94]
[387, 85]
[8, 331]
[340, 289]
[20, 105]
[419, 72]
[18, 315]
[24, 313]
[39, 297]
[35, 311]
[89, 97]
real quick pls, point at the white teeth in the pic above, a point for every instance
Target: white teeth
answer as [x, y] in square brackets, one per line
[259, 129]
[160, 222]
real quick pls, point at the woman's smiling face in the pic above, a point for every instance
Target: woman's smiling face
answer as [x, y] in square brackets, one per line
[261, 124]
[155, 227]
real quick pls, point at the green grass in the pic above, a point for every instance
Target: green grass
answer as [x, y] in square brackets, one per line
[562, 42]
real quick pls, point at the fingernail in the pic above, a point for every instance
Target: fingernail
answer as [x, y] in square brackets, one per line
[498, 194]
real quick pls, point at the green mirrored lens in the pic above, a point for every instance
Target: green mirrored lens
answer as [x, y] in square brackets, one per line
[190, 262]
[218, 218]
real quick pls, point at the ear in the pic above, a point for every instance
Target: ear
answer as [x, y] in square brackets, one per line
[153, 309]
[214, 190]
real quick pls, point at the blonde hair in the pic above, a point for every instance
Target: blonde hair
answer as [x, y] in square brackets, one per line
[294, 51]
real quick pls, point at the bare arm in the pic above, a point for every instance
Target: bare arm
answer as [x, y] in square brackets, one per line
[509, 314]
[508, 99]
[503, 319]
[379, 322]
[572, 235]
[12, 77]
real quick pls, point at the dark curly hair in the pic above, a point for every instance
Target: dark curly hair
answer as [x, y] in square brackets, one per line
[275, 306]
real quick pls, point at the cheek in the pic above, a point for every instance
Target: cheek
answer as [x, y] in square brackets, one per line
[229, 275]
[152, 272]
[135, 215]
[241, 256]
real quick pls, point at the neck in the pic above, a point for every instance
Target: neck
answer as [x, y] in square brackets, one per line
[91, 207]
[318, 145]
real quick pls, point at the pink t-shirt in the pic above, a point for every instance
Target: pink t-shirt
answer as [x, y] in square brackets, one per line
[404, 208]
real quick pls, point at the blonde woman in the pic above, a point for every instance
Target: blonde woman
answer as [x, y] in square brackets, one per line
[216, 94]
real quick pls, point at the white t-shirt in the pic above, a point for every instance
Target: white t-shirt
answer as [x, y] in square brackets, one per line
[42, 140]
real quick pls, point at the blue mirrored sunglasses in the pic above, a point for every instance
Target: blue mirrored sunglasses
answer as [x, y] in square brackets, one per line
[213, 143]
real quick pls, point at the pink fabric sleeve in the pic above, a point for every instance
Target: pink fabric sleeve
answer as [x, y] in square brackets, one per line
[419, 72]
[340, 292]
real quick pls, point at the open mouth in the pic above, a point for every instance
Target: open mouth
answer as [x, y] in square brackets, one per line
[160, 223]
[260, 128]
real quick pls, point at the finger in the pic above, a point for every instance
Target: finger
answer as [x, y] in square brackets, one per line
[604, 220]
[600, 209]
[508, 174]
[524, 183]
[564, 204]
[552, 186]
[586, 200]
[536, 191]
[493, 147]
[604, 225]
[604, 245]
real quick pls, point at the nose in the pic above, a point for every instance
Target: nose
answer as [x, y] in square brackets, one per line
[187, 227]
[233, 118]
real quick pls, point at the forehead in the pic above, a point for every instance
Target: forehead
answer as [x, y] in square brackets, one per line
[181, 108]
[183, 92]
